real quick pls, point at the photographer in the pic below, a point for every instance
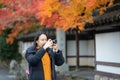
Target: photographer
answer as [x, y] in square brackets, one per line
[42, 58]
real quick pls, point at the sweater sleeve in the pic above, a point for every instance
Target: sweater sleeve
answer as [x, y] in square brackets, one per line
[59, 59]
[33, 57]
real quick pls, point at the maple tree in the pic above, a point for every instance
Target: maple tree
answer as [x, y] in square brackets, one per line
[71, 14]
[17, 14]
[21, 14]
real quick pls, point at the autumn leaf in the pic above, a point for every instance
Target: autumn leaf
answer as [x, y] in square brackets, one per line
[90, 3]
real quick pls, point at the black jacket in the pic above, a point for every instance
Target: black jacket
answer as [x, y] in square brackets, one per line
[35, 63]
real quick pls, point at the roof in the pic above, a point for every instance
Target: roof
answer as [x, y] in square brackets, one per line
[108, 21]
[30, 36]
[51, 32]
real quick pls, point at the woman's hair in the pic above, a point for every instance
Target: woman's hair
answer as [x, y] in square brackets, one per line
[36, 38]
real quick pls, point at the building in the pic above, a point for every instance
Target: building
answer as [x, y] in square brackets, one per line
[107, 43]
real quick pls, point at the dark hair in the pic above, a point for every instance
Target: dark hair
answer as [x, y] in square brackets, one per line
[36, 38]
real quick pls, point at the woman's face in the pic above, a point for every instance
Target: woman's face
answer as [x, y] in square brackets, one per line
[41, 40]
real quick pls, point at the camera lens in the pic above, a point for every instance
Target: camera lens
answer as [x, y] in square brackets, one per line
[54, 41]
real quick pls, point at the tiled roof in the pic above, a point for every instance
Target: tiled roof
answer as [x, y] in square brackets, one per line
[30, 36]
[111, 19]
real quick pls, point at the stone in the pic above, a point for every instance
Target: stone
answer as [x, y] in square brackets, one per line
[97, 77]
[13, 67]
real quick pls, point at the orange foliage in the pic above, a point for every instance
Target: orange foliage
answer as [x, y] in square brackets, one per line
[64, 14]
[15, 31]
[17, 13]
[90, 3]
[72, 14]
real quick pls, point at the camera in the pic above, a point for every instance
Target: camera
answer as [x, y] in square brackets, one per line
[54, 41]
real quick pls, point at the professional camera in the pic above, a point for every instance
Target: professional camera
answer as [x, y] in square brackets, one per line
[54, 41]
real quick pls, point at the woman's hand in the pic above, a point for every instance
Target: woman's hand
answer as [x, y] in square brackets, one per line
[49, 43]
[55, 48]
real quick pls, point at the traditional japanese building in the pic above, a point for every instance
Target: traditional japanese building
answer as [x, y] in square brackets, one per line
[106, 30]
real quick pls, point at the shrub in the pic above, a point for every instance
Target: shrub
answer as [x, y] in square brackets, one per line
[8, 51]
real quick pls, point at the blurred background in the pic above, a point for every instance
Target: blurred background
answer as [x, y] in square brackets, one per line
[91, 52]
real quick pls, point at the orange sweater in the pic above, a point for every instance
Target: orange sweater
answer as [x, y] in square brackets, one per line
[47, 67]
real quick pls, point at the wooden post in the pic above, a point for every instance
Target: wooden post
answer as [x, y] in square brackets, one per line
[77, 49]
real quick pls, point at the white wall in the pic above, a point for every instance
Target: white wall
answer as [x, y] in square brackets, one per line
[86, 49]
[71, 48]
[24, 45]
[110, 69]
[108, 50]
[91, 47]
[108, 47]
[83, 48]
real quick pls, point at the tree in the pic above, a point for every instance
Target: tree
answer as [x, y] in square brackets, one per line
[18, 15]
[7, 50]
[21, 14]
[71, 14]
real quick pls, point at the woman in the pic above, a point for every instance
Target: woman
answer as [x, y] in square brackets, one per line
[42, 58]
